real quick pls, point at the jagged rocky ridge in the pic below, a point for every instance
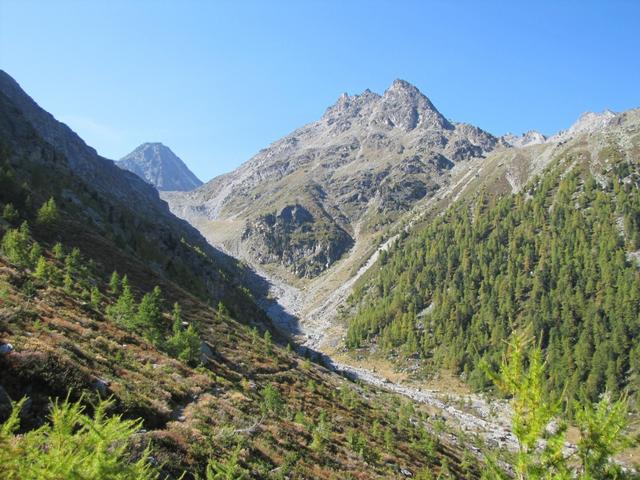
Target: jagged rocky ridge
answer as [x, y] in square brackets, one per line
[369, 158]
[158, 165]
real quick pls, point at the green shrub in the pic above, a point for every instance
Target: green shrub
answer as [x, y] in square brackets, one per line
[15, 245]
[73, 446]
[10, 214]
[48, 213]
[271, 400]
[228, 469]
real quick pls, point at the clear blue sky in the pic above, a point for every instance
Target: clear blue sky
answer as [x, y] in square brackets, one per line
[217, 81]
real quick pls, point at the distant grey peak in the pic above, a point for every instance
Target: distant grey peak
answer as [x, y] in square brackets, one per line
[158, 165]
[532, 137]
[588, 122]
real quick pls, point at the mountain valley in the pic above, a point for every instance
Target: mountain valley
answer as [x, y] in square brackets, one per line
[339, 300]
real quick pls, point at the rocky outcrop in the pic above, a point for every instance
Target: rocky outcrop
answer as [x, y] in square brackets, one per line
[588, 122]
[158, 165]
[296, 239]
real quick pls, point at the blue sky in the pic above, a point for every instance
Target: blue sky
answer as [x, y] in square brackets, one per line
[217, 81]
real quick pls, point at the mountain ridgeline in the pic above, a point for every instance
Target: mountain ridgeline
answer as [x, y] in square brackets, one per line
[452, 243]
[158, 165]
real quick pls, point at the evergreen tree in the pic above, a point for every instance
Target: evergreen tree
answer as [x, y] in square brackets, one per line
[123, 311]
[271, 400]
[48, 213]
[58, 251]
[73, 446]
[10, 214]
[42, 270]
[72, 261]
[35, 253]
[114, 283]
[176, 317]
[15, 245]
[540, 455]
[222, 310]
[67, 282]
[550, 257]
[95, 297]
[149, 316]
[184, 344]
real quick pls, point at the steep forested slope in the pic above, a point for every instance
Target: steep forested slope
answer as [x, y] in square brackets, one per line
[559, 258]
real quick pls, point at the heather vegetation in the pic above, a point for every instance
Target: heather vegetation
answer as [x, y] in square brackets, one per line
[132, 349]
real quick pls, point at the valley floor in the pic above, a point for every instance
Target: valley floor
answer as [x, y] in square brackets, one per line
[317, 330]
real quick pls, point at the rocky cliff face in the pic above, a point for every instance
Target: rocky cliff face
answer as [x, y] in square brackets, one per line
[293, 237]
[159, 166]
[369, 158]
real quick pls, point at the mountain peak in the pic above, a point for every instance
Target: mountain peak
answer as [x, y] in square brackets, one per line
[156, 163]
[405, 106]
[532, 137]
[402, 85]
[402, 106]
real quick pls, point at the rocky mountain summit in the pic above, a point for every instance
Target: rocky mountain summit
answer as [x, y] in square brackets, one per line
[159, 166]
[369, 158]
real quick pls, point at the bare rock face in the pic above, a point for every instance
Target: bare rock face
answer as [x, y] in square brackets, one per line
[306, 245]
[368, 159]
[158, 165]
